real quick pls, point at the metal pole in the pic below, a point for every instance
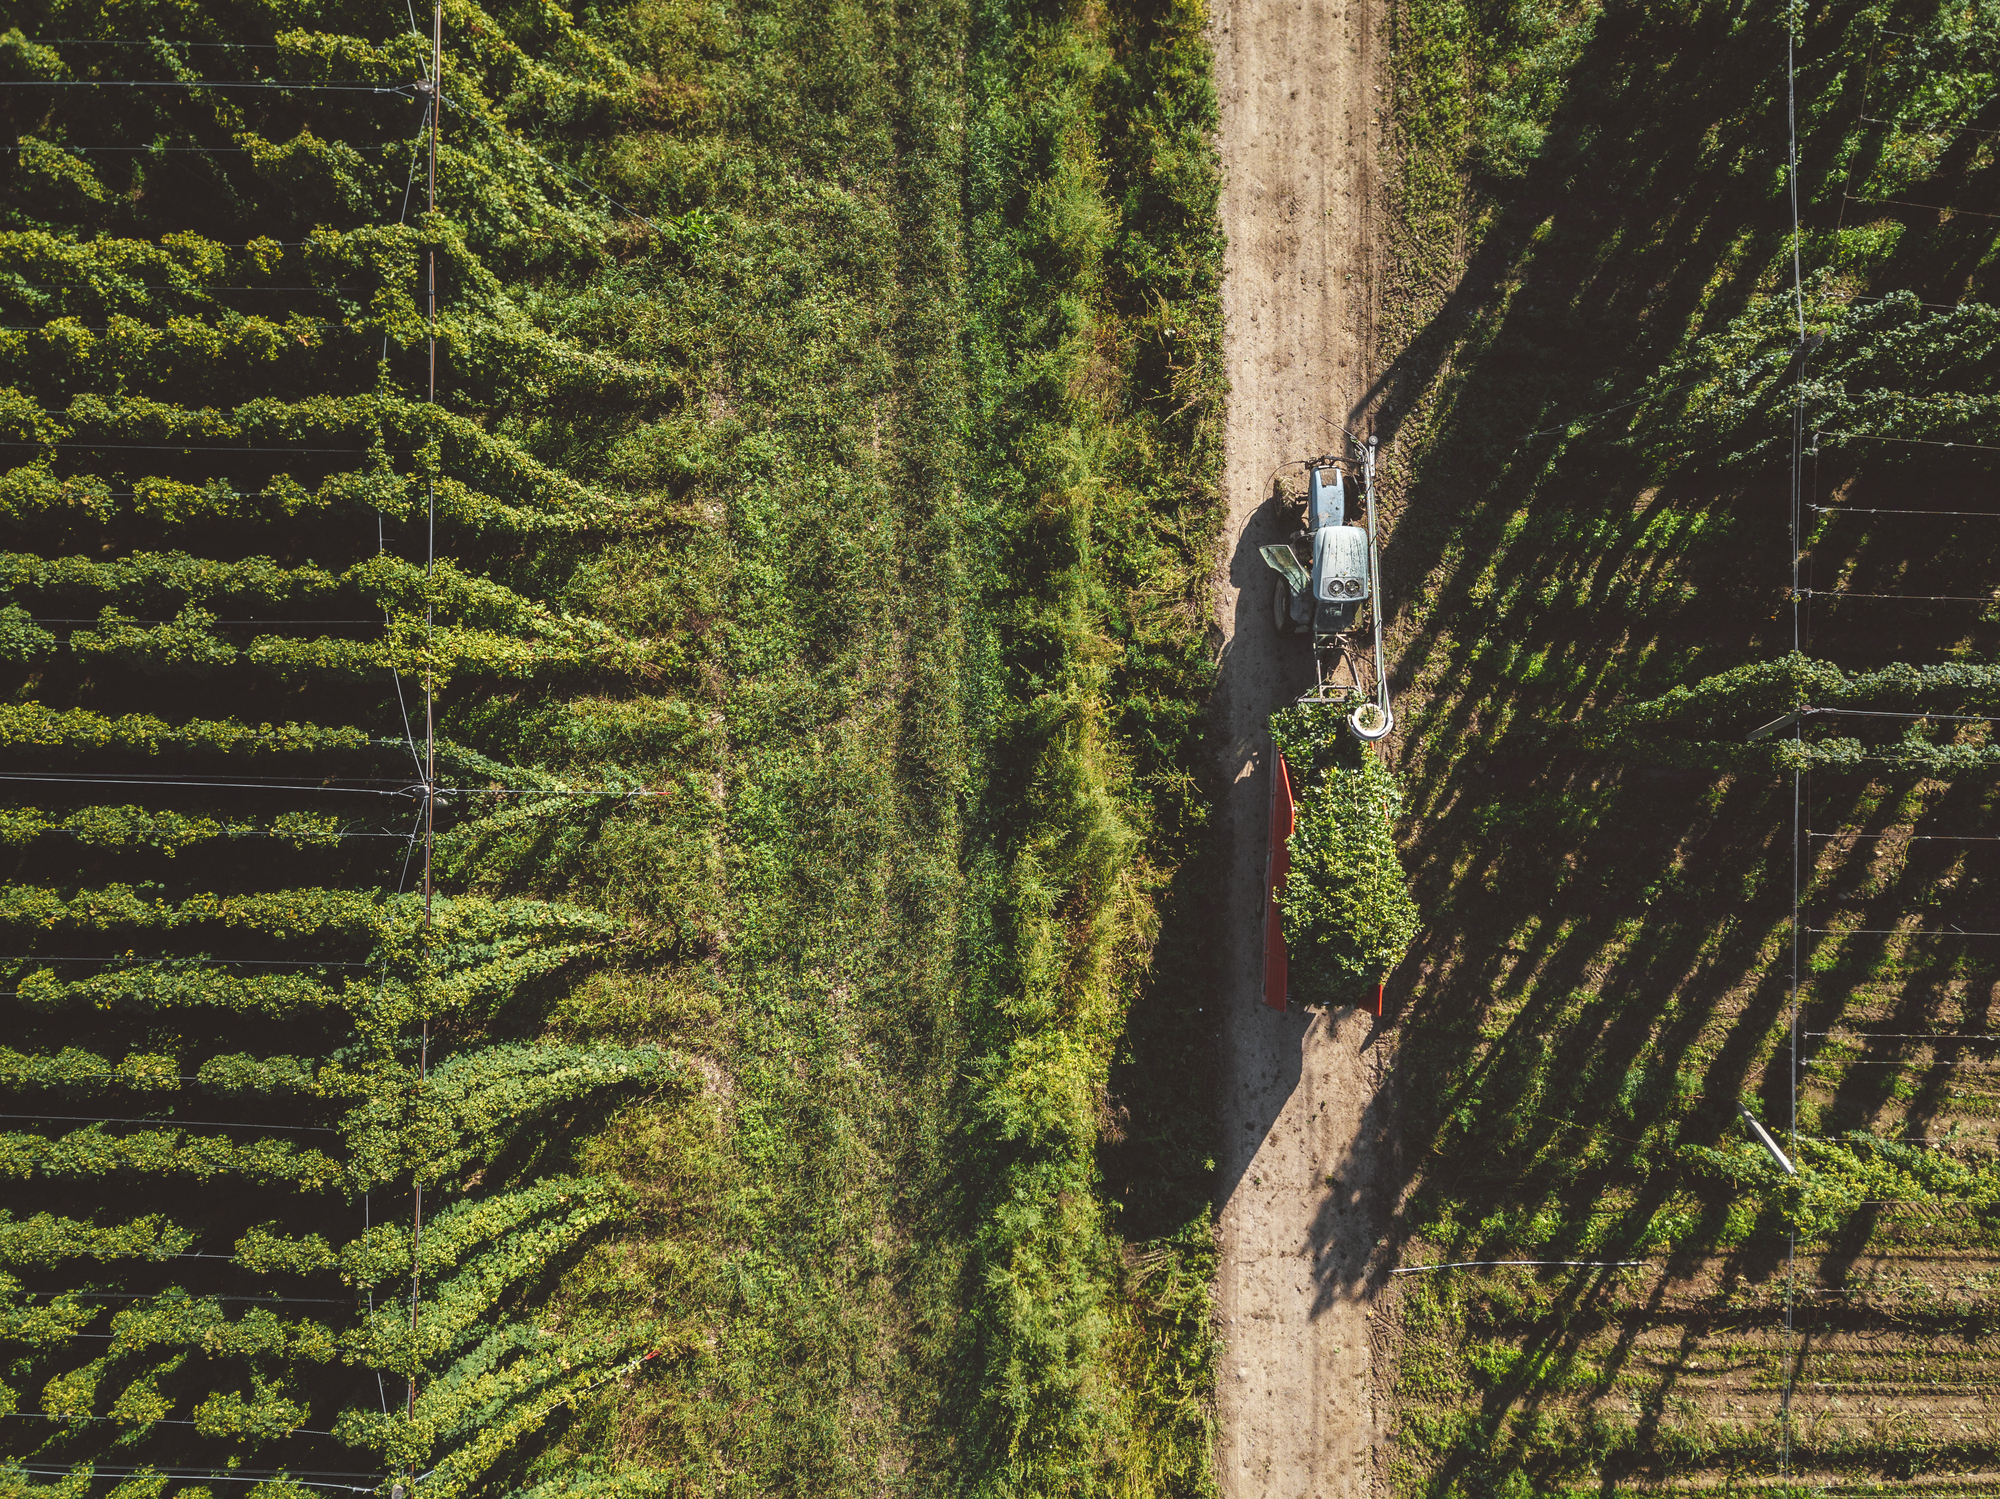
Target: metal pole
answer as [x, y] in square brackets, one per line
[430, 706]
[1790, 1356]
[1375, 575]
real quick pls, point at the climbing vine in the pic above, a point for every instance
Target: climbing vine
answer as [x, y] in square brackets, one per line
[244, 550]
[1904, 718]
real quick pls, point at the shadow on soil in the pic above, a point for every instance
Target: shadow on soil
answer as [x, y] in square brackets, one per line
[1606, 959]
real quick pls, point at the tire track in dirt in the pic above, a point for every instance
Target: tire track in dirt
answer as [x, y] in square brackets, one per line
[1305, 1180]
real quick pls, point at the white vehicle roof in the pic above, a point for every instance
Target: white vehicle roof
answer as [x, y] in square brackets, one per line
[1340, 564]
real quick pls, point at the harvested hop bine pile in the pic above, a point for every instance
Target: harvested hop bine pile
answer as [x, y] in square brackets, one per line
[1346, 904]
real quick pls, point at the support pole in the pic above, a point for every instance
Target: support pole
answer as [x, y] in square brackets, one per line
[430, 705]
[1375, 577]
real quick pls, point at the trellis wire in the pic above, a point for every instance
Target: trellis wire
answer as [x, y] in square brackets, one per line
[428, 788]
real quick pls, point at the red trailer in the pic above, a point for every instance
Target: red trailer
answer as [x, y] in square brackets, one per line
[1278, 864]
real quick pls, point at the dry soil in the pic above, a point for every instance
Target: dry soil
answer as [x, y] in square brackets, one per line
[1305, 1179]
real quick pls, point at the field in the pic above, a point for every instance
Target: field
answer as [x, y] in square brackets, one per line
[1593, 414]
[794, 1056]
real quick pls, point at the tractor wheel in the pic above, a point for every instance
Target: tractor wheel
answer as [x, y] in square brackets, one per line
[1281, 607]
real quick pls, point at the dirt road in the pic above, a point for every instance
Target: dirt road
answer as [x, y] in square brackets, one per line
[1302, 1202]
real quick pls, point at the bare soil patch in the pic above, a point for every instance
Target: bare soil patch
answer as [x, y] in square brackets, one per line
[1305, 1194]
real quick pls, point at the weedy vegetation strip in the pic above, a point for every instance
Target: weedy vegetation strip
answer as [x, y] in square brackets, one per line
[1096, 380]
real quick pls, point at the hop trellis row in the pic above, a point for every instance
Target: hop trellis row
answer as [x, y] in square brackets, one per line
[252, 533]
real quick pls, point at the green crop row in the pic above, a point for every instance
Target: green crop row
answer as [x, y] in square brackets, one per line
[1642, 920]
[269, 320]
[817, 669]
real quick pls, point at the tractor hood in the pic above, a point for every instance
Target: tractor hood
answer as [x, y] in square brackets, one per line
[1340, 564]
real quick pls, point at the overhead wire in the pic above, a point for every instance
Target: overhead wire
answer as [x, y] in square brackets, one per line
[229, 832]
[152, 41]
[70, 150]
[1797, 519]
[1895, 931]
[1868, 119]
[1970, 213]
[1486, 1264]
[1901, 1036]
[290, 1129]
[1914, 598]
[195, 785]
[296, 1431]
[204, 1475]
[180, 447]
[1831, 1062]
[187, 959]
[1900, 713]
[185, 1077]
[8, 286]
[215, 83]
[1927, 442]
[192, 1296]
[331, 325]
[1916, 837]
[1876, 510]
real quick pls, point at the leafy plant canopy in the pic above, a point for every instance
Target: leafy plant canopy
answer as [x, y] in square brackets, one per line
[1346, 906]
[1699, 766]
[602, 907]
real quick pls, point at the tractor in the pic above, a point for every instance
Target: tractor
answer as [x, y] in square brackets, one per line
[1326, 572]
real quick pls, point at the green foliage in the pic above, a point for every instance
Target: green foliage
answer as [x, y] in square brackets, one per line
[32, 725]
[681, 468]
[74, 1068]
[1839, 1179]
[1094, 228]
[411, 646]
[168, 832]
[47, 1240]
[1528, 48]
[1595, 386]
[21, 640]
[1877, 366]
[1346, 905]
[1707, 724]
[94, 1152]
[268, 1253]
[435, 1125]
[209, 386]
